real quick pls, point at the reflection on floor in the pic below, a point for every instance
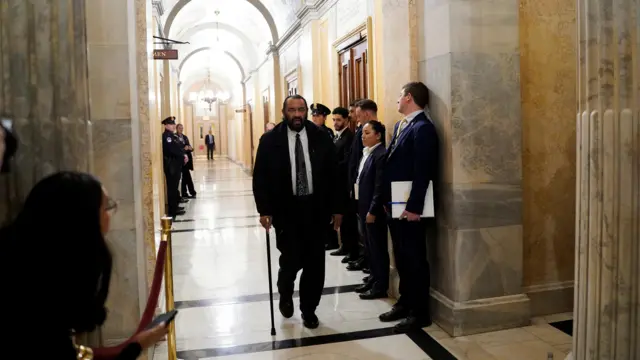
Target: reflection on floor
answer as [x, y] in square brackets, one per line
[221, 290]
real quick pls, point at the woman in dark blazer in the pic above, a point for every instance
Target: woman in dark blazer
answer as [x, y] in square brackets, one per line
[370, 190]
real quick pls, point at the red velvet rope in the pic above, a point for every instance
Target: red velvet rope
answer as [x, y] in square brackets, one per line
[108, 353]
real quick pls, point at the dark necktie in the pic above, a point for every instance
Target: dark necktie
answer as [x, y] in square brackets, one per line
[302, 183]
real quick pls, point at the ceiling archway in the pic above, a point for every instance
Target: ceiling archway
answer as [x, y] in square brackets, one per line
[175, 10]
[196, 51]
[248, 47]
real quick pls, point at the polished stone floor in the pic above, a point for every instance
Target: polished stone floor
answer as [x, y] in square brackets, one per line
[221, 291]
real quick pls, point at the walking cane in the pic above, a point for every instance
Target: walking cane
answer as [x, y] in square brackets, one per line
[273, 327]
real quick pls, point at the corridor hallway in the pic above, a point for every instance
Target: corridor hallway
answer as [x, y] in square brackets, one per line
[221, 292]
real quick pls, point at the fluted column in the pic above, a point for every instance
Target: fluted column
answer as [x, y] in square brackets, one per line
[43, 88]
[607, 288]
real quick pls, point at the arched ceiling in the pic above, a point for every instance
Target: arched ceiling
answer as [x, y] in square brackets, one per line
[223, 68]
[226, 37]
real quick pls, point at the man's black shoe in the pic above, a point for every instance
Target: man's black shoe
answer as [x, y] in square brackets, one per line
[349, 258]
[354, 266]
[373, 294]
[339, 252]
[179, 212]
[366, 279]
[396, 313]
[331, 246]
[310, 320]
[180, 208]
[286, 308]
[183, 200]
[364, 288]
[366, 270]
[411, 323]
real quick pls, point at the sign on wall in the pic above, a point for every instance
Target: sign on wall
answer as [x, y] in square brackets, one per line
[165, 54]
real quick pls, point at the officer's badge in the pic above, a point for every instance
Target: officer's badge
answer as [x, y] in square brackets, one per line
[168, 139]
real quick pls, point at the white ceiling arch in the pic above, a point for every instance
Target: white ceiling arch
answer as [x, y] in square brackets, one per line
[252, 14]
[230, 38]
[226, 53]
[223, 68]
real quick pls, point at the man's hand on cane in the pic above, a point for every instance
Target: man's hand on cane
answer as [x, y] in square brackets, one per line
[265, 221]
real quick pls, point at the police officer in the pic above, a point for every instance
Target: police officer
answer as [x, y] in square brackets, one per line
[319, 115]
[173, 160]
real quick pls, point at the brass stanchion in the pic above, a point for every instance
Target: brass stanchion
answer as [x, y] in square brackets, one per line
[168, 286]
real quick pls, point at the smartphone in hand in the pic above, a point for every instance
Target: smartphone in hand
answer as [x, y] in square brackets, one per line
[166, 318]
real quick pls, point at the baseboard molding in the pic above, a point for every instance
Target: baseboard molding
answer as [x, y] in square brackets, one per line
[478, 316]
[552, 298]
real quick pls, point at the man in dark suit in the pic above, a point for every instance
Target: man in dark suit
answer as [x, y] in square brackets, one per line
[343, 140]
[319, 115]
[210, 142]
[366, 110]
[412, 156]
[293, 187]
[187, 181]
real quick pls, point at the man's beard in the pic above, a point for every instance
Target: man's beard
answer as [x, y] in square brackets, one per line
[295, 123]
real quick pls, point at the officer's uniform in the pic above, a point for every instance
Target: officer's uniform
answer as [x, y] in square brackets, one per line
[331, 237]
[173, 159]
[319, 109]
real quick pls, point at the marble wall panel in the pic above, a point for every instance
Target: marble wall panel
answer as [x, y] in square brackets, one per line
[43, 89]
[547, 38]
[485, 120]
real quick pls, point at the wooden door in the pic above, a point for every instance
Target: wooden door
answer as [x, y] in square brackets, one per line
[265, 105]
[360, 74]
[354, 77]
[292, 83]
[346, 80]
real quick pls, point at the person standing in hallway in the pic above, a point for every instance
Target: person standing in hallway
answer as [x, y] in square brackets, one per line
[343, 141]
[366, 110]
[293, 179]
[412, 156]
[187, 181]
[210, 142]
[373, 220]
[319, 115]
[174, 158]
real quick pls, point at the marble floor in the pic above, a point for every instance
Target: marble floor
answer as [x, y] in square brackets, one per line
[221, 291]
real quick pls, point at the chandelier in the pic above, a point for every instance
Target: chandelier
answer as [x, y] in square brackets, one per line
[206, 94]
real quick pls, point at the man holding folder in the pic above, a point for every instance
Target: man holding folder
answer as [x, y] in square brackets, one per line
[412, 162]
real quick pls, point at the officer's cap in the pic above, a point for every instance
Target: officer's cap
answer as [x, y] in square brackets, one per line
[319, 109]
[171, 120]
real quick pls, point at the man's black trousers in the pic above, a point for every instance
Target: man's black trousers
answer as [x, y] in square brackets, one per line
[410, 249]
[172, 179]
[300, 238]
[187, 182]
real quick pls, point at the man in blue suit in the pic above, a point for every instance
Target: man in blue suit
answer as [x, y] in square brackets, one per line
[412, 156]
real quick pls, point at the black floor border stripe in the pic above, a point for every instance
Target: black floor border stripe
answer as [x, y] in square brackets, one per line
[430, 346]
[187, 304]
[424, 341]
[216, 228]
[285, 344]
[566, 326]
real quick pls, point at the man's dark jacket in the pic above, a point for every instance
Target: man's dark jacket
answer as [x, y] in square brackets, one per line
[272, 187]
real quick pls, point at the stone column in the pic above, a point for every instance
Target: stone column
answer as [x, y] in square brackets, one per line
[607, 308]
[469, 59]
[43, 88]
[118, 77]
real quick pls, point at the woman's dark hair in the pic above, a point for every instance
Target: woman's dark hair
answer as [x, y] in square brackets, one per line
[61, 258]
[379, 128]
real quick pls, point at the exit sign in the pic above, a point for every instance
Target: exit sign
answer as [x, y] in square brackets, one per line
[167, 54]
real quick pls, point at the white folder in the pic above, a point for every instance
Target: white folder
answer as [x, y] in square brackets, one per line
[400, 191]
